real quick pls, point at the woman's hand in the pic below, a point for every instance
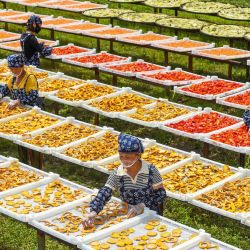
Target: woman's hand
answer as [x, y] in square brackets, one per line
[13, 104]
[136, 210]
[89, 221]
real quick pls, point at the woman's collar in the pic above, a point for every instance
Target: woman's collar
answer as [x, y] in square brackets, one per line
[144, 169]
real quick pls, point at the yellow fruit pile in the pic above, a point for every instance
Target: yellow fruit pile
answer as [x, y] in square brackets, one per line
[122, 102]
[158, 236]
[49, 85]
[155, 155]
[14, 176]
[31, 122]
[162, 112]
[5, 112]
[71, 222]
[193, 177]
[95, 148]
[4, 68]
[160, 157]
[86, 92]
[232, 197]
[38, 199]
[61, 135]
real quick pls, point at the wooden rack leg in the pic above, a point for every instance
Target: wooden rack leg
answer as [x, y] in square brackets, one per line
[23, 154]
[242, 160]
[26, 8]
[52, 34]
[40, 161]
[96, 119]
[114, 80]
[56, 108]
[6, 26]
[97, 20]
[231, 42]
[176, 12]
[98, 45]
[230, 71]
[160, 10]
[155, 10]
[190, 63]
[97, 74]
[176, 32]
[4, 5]
[205, 150]
[111, 47]
[40, 240]
[247, 72]
[166, 58]
[112, 21]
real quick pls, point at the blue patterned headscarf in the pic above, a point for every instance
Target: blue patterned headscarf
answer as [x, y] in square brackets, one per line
[34, 20]
[246, 118]
[129, 144]
[15, 61]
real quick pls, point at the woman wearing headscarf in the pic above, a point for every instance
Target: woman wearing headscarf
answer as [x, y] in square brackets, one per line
[138, 182]
[22, 86]
[31, 48]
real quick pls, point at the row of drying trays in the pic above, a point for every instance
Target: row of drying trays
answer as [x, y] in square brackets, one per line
[95, 147]
[92, 103]
[57, 206]
[120, 34]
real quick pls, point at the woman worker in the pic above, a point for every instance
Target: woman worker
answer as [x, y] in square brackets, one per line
[31, 48]
[22, 86]
[138, 182]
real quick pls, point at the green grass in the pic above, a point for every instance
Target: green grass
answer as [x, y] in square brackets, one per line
[17, 236]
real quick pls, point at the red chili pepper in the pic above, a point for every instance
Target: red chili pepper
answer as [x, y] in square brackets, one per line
[235, 137]
[175, 76]
[203, 123]
[243, 99]
[213, 87]
[68, 50]
[99, 58]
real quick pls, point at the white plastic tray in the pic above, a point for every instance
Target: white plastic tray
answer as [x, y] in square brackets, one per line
[72, 238]
[146, 76]
[87, 105]
[138, 224]
[125, 115]
[42, 175]
[109, 36]
[19, 49]
[80, 9]
[7, 99]
[60, 76]
[128, 73]
[242, 174]
[164, 45]
[87, 52]
[143, 41]
[196, 157]
[14, 137]
[60, 153]
[47, 149]
[66, 28]
[55, 98]
[2, 18]
[55, 26]
[222, 100]
[42, 185]
[200, 52]
[197, 136]
[14, 36]
[179, 90]
[94, 65]
[242, 150]
[245, 219]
